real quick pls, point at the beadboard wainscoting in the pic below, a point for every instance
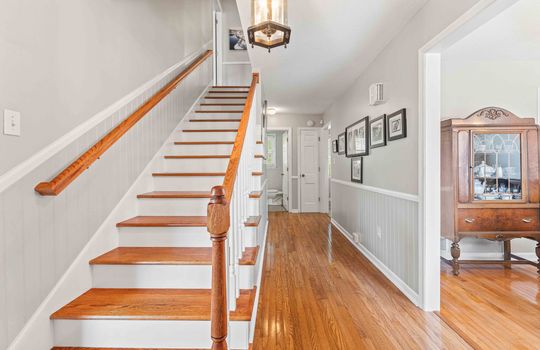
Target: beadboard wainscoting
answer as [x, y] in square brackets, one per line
[386, 226]
[42, 236]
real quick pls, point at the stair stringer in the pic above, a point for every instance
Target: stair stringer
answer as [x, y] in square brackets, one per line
[38, 332]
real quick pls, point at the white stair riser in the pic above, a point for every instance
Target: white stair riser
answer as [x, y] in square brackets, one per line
[186, 183]
[164, 237]
[206, 136]
[257, 181]
[214, 116]
[221, 108]
[199, 149]
[163, 276]
[224, 100]
[237, 93]
[250, 237]
[254, 206]
[144, 334]
[173, 206]
[210, 125]
[259, 149]
[196, 165]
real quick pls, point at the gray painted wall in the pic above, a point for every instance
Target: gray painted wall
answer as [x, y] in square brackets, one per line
[41, 236]
[394, 167]
[233, 74]
[63, 61]
[293, 121]
[274, 174]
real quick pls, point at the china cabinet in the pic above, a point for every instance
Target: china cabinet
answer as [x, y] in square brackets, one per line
[490, 186]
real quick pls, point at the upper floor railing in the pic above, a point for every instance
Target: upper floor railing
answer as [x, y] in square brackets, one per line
[69, 174]
[227, 212]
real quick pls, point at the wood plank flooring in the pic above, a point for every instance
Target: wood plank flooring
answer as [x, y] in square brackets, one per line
[319, 292]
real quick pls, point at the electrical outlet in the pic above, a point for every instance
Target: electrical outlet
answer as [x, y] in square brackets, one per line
[379, 232]
[12, 122]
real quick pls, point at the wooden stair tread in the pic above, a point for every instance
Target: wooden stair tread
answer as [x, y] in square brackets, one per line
[199, 143]
[257, 173]
[225, 97]
[150, 304]
[260, 156]
[166, 256]
[255, 194]
[253, 221]
[164, 221]
[230, 87]
[215, 120]
[222, 104]
[175, 194]
[228, 92]
[259, 142]
[200, 111]
[186, 174]
[201, 156]
[210, 130]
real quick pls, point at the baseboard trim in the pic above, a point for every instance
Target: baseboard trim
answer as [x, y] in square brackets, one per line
[398, 282]
[24, 168]
[78, 277]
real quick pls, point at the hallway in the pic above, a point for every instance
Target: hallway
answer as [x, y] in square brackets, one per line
[318, 292]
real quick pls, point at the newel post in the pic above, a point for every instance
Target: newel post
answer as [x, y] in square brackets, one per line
[218, 226]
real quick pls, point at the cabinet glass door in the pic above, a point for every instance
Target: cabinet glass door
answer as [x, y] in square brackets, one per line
[496, 167]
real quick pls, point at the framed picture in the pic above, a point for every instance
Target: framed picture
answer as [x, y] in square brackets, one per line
[237, 41]
[357, 169]
[396, 124]
[377, 132]
[341, 143]
[357, 138]
[335, 146]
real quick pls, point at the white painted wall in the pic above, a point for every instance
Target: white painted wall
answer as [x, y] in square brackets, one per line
[63, 61]
[496, 65]
[394, 167]
[235, 72]
[88, 55]
[293, 121]
[274, 174]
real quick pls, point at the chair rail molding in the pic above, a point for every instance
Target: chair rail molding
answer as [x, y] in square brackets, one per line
[34, 161]
[400, 195]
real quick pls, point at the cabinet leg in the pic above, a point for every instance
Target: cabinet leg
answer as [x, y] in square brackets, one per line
[507, 254]
[456, 252]
[538, 256]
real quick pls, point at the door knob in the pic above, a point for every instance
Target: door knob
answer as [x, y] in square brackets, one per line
[303, 175]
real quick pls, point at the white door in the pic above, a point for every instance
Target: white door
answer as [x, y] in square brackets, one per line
[218, 48]
[285, 172]
[309, 171]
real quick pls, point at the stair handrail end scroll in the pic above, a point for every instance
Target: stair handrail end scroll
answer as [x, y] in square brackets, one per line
[69, 174]
[218, 226]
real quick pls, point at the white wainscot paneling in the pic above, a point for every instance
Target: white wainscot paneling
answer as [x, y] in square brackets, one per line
[387, 226]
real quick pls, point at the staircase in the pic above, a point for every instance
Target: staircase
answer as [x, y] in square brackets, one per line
[154, 291]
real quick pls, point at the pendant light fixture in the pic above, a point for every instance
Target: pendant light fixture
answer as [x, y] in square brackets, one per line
[269, 27]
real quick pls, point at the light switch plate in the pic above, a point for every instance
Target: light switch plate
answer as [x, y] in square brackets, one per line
[12, 122]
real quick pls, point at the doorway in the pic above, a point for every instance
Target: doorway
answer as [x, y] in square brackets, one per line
[278, 161]
[309, 169]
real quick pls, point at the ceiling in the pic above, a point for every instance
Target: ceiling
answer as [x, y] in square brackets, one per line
[332, 42]
[512, 35]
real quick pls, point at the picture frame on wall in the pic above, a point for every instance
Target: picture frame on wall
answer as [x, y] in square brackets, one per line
[396, 125]
[357, 169]
[237, 40]
[357, 138]
[341, 144]
[377, 132]
[335, 146]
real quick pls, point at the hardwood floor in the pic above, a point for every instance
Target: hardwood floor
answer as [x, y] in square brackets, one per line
[492, 307]
[319, 292]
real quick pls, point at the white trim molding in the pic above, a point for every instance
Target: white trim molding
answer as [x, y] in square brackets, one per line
[236, 63]
[398, 282]
[395, 194]
[27, 166]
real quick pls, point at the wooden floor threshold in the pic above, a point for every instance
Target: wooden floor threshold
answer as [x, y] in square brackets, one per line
[166, 256]
[150, 304]
[164, 221]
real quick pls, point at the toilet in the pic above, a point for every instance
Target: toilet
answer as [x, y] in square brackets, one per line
[275, 197]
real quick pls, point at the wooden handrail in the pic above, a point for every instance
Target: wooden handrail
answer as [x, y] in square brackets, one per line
[218, 227]
[69, 174]
[232, 168]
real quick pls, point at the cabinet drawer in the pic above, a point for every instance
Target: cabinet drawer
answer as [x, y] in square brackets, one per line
[498, 220]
